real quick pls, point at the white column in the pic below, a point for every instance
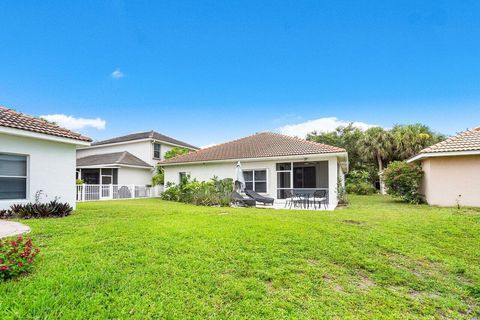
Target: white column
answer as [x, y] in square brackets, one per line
[332, 183]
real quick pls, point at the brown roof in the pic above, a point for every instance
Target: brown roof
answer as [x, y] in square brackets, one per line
[465, 141]
[145, 135]
[260, 145]
[13, 119]
[120, 158]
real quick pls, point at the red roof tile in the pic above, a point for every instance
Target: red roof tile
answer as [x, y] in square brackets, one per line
[260, 145]
[465, 141]
[13, 119]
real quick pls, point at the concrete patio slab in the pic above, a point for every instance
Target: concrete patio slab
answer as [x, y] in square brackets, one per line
[10, 228]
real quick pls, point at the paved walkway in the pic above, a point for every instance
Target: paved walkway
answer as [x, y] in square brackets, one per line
[10, 228]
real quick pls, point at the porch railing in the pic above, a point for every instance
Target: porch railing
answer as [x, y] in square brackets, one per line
[94, 192]
[281, 192]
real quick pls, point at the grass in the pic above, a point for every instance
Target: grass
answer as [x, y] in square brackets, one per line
[153, 259]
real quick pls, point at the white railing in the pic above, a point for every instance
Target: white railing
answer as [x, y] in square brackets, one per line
[94, 192]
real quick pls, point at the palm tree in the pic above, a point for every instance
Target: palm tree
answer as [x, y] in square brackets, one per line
[376, 145]
[410, 139]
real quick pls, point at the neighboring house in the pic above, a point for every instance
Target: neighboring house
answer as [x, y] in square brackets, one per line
[36, 157]
[272, 163]
[126, 160]
[452, 170]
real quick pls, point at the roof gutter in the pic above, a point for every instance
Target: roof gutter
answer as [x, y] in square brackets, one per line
[112, 165]
[42, 136]
[421, 156]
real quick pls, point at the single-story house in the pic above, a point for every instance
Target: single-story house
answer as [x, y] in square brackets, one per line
[272, 163]
[452, 170]
[36, 158]
[126, 160]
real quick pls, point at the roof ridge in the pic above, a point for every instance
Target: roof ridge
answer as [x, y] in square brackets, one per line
[124, 154]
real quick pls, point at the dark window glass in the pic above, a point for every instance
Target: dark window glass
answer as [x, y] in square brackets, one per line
[13, 177]
[248, 175]
[261, 186]
[248, 185]
[13, 188]
[284, 166]
[260, 175]
[156, 150]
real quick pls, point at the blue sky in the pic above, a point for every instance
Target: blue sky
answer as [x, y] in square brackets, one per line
[210, 71]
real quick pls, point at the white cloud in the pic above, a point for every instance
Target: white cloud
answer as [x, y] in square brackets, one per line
[117, 74]
[320, 125]
[208, 145]
[73, 123]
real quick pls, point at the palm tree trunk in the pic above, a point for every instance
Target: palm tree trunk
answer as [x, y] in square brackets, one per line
[380, 174]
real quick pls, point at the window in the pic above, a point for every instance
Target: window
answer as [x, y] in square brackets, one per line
[13, 177]
[182, 177]
[255, 180]
[156, 151]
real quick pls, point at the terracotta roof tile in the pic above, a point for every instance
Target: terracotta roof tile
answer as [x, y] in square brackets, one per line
[465, 141]
[260, 145]
[13, 119]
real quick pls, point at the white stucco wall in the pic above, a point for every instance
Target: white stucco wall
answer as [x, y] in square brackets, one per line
[140, 149]
[449, 180]
[135, 176]
[205, 171]
[50, 167]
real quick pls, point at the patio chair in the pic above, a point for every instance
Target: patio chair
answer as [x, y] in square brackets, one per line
[320, 197]
[238, 199]
[258, 197]
[292, 199]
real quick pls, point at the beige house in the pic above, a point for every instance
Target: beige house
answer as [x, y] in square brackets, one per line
[452, 170]
[272, 164]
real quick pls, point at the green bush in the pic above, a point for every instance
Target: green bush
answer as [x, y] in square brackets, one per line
[52, 209]
[358, 182]
[403, 181]
[215, 192]
[360, 188]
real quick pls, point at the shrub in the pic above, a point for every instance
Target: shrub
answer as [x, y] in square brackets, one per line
[79, 182]
[159, 176]
[360, 188]
[358, 182]
[215, 192]
[40, 210]
[403, 180]
[16, 257]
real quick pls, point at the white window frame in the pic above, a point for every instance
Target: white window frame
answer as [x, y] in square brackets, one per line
[254, 180]
[26, 177]
[159, 151]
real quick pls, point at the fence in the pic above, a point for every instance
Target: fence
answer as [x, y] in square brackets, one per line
[94, 192]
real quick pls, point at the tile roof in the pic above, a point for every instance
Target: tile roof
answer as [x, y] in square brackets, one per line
[118, 158]
[14, 119]
[465, 141]
[260, 145]
[145, 135]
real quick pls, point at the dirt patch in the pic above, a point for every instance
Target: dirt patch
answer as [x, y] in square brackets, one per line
[365, 282]
[332, 283]
[352, 222]
[312, 262]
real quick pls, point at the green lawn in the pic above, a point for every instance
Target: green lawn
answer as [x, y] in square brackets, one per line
[149, 259]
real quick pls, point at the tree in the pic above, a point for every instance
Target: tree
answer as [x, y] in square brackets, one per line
[376, 145]
[403, 181]
[159, 177]
[346, 137]
[411, 139]
[175, 152]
